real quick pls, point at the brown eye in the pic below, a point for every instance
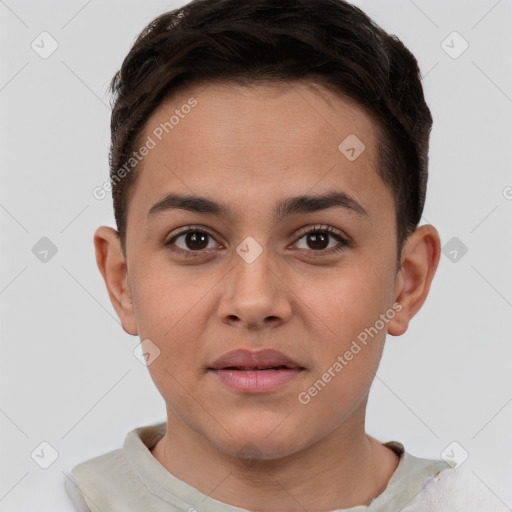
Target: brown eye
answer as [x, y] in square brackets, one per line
[317, 240]
[196, 240]
[191, 241]
[323, 240]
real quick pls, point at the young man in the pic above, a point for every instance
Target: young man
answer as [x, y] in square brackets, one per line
[269, 169]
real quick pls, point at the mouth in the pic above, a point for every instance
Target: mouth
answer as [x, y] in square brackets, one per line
[255, 372]
[256, 368]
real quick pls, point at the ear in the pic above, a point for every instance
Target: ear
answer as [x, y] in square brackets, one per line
[419, 260]
[112, 265]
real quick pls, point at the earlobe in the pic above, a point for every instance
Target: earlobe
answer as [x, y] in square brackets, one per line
[420, 257]
[112, 265]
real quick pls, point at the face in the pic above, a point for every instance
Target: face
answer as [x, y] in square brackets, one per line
[254, 268]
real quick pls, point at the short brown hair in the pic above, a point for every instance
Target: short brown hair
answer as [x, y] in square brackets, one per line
[239, 41]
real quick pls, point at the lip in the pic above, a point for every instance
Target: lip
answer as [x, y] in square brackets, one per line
[255, 371]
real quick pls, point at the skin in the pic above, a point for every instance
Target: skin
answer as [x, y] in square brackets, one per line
[252, 148]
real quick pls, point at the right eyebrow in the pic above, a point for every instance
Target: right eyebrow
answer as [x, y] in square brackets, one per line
[193, 204]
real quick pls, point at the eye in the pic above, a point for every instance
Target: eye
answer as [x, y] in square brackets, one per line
[195, 241]
[321, 238]
[192, 240]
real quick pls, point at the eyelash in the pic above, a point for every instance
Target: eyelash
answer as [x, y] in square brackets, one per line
[344, 242]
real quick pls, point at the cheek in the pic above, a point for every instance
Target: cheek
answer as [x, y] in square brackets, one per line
[165, 299]
[173, 319]
[347, 358]
[347, 302]
[348, 322]
[171, 315]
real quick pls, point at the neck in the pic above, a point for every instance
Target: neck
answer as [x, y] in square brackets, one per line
[343, 470]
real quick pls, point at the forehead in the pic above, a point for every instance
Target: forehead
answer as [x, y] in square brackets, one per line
[253, 144]
[230, 115]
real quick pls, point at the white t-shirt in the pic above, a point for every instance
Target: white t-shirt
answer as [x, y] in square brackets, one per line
[131, 479]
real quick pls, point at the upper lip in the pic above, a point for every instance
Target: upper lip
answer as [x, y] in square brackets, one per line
[248, 359]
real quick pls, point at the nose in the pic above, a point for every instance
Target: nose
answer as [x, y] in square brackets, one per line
[255, 294]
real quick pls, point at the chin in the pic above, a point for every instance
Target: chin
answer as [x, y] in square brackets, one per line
[261, 440]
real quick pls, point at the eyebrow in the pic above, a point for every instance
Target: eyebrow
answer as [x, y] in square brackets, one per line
[288, 207]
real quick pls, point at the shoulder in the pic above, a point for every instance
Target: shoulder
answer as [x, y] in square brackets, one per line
[95, 470]
[454, 490]
[105, 481]
[74, 493]
[113, 481]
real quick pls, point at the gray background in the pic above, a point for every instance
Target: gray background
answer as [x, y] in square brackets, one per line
[68, 373]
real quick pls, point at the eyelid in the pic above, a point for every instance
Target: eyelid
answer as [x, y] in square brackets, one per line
[344, 241]
[188, 253]
[191, 228]
[322, 228]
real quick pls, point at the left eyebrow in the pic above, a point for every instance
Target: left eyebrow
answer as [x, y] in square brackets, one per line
[286, 208]
[315, 203]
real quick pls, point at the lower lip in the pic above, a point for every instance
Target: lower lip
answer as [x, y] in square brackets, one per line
[256, 381]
